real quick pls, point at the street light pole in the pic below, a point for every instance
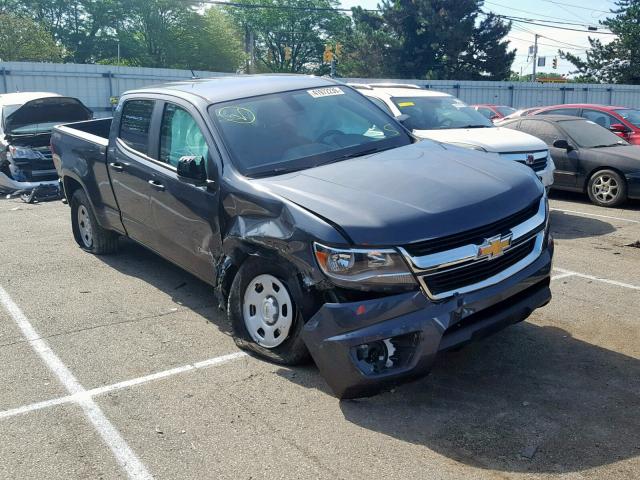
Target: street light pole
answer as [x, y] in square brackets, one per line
[118, 51]
[535, 57]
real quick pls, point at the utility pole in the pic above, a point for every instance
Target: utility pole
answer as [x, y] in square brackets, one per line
[535, 57]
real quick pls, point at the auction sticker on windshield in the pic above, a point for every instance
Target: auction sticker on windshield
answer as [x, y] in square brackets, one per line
[325, 92]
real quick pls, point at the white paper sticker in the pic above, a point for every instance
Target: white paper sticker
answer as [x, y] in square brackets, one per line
[325, 92]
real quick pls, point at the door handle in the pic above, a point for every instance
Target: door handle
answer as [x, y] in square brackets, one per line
[156, 185]
[118, 167]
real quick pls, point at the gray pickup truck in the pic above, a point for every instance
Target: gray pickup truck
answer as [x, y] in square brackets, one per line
[323, 226]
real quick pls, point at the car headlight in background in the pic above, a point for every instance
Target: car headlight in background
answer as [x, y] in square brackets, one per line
[468, 146]
[364, 269]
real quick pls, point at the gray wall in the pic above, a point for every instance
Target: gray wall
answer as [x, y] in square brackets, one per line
[95, 84]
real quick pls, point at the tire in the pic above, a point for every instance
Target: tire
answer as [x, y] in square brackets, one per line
[89, 235]
[286, 349]
[607, 188]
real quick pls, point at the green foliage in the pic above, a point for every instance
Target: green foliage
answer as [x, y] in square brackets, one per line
[304, 32]
[22, 39]
[619, 60]
[440, 39]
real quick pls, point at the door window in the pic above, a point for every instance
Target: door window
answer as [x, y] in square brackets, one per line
[600, 118]
[135, 122]
[545, 131]
[180, 136]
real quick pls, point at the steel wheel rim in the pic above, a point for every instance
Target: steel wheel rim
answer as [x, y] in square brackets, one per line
[605, 188]
[84, 226]
[267, 310]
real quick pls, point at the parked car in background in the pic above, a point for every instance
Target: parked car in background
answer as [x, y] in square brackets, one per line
[322, 225]
[444, 118]
[493, 112]
[588, 157]
[523, 112]
[26, 121]
[624, 122]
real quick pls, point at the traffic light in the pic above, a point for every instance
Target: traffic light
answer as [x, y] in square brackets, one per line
[327, 56]
[555, 62]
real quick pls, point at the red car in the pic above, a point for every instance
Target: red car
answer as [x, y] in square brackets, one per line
[623, 121]
[493, 112]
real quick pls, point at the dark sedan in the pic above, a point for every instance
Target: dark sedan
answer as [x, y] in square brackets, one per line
[588, 157]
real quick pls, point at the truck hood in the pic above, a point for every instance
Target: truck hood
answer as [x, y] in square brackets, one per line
[493, 139]
[413, 193]
[48, 110]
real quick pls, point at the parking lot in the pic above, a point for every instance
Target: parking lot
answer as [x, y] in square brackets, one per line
[122, 366]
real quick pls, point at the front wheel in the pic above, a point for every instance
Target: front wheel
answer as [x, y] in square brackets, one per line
[265, 309]
[607, 188]
[89, 235]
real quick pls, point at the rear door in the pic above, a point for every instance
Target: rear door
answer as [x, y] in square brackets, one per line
[130, 169]
[185, 212]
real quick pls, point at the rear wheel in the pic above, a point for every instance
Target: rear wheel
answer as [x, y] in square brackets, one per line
[265, 309]
[88, 234]
[607, 188]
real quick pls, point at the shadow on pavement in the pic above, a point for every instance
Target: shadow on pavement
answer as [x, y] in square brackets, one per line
[566, 226]
[184, 289]
[530, 399]
[582, 198]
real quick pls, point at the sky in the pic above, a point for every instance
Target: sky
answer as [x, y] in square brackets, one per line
[584, 12]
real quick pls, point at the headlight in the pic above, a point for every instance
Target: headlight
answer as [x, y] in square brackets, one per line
[363, 268]
[23, 153]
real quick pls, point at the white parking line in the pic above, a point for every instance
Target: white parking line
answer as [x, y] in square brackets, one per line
[121, 385]
[123, 453]
[593, 215]
[562, 275]
[569, 273]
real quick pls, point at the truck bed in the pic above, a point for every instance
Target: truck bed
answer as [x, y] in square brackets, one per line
[80, 156]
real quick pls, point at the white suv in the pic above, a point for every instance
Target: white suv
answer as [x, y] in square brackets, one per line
[444, 118]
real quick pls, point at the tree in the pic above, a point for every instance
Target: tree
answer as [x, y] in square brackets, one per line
[289, 35]
[21, 39]
[619, 60]
[441, 39]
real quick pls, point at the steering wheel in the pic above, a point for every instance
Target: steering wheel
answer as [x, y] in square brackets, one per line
[326, 134]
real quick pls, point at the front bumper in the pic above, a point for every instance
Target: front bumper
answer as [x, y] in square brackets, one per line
[9, 185]
[546, 175]
[417, 328]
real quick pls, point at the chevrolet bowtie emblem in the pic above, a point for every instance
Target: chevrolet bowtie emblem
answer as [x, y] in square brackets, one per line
[494, 247]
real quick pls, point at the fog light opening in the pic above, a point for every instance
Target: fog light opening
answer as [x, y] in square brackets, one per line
[386, 354]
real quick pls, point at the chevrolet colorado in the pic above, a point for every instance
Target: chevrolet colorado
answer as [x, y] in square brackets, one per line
[322, 224]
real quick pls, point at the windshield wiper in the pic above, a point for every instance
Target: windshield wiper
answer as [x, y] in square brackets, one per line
[617, 144]
[361, 153]
[476, 126]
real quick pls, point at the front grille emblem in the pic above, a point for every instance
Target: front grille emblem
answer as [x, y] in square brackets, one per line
[530, 160]
[494, 247]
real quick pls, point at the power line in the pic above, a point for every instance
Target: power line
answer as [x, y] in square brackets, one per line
[273, 7]
[566, 21]
[573, 5]
[548, 24]
[578, 47]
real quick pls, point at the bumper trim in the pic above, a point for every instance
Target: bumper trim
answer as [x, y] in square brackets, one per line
[12, 185]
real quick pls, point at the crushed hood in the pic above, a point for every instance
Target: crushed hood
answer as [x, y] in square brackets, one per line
[418, 192]
[492, 139]
[47, 110]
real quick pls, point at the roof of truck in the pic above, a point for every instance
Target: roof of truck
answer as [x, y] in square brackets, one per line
[21, 98]
[221, 89]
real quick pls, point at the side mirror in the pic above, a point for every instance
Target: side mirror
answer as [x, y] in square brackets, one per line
[403, 117]
[618, 128]
[192, 167]
[563, 145]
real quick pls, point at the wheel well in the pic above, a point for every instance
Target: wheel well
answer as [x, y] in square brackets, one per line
[70, 186]
[585, 187]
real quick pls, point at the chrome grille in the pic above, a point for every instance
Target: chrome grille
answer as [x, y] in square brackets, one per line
[538, 162]
[465, 268]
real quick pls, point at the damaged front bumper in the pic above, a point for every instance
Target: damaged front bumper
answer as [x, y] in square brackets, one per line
[364, 346]
[9, 185]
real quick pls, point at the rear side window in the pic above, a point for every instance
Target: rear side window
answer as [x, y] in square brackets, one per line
[603, 119]
[180, 136]
[545, 131]
[135, 122]
[561, 111]
[381, 104]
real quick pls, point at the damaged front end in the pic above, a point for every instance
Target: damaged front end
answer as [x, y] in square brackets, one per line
[28, 169]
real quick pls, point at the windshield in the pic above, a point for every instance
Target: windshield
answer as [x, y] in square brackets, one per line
[588, 134]
[439, 113]
[504, 111]
[630, 115]
[287, 131]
